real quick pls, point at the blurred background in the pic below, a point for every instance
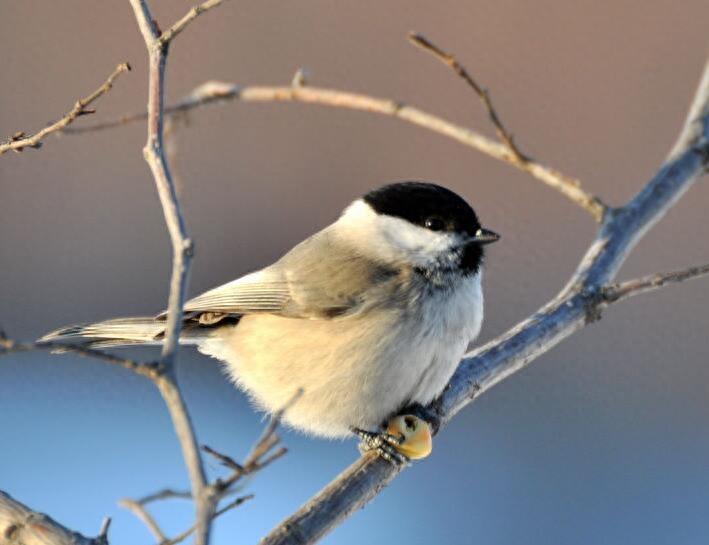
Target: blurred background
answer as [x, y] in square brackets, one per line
[602, 440]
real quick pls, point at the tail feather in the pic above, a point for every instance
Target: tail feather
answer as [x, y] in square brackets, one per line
[117, 332]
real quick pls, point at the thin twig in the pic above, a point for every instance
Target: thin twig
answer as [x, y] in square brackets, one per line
[164, 494]
[182, 251]
[147, 369]
[155, 157]
[184, 535]
[145, 517]
[651, 282]
[225, 460]
[570, 187]
[221, 487]
[449, 60]
[19, 141]
[171, 33]
[268, 438]
[214, 92]
[259, 457]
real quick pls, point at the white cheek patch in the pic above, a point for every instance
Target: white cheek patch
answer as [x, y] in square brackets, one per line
[392, 238]
[420, 244]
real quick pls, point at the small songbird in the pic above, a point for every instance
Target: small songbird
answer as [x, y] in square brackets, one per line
[368, 318]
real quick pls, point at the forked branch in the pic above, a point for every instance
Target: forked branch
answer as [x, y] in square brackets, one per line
[578, 304]
[262, 454]
[182, 250]
[449, 60]
[570, 187]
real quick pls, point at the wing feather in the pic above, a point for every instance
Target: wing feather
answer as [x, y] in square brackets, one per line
[262, 291]
[316, 279]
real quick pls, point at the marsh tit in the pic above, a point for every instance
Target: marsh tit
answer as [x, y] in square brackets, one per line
[369, 317]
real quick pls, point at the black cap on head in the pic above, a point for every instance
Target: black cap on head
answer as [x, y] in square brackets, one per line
[425, 204]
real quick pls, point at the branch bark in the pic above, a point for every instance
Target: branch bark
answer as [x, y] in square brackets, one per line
[213, 92]
[651, 282]
[157, 45]
[578, 304]
[22, 525]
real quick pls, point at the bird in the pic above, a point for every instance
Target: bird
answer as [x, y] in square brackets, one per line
[366, 319]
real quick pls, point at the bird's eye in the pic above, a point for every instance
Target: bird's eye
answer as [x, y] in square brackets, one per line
[434, 224]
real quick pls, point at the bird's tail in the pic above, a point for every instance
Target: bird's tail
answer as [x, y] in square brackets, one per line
[143, 331]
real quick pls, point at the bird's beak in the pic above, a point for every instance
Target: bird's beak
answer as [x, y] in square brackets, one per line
[485, 236]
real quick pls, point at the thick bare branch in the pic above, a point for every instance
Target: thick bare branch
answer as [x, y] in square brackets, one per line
[20, 524]
[19, 141]
[578, 304]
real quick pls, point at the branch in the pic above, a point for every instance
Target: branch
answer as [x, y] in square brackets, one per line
[261, 455]
[147, 369]
[503, 134]
[213, 92]
[182, 248]
[569, 187]
[164, 494]
[651, 282]
[137, 508]
[578, 304]
[191, 15]
[20, 524]
[19, 141]
[228, 507]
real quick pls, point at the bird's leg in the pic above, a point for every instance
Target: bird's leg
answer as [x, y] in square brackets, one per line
[384, 444]
[427, 414]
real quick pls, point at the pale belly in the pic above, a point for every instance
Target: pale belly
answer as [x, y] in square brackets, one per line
[354, 371]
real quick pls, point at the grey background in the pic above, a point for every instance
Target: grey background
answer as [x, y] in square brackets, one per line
[603, 440]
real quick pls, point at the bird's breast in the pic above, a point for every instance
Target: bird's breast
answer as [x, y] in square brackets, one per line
[355, 370]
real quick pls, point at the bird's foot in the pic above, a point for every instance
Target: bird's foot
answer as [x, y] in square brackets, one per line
[385, 444]
[415, 433]
[405, 437]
